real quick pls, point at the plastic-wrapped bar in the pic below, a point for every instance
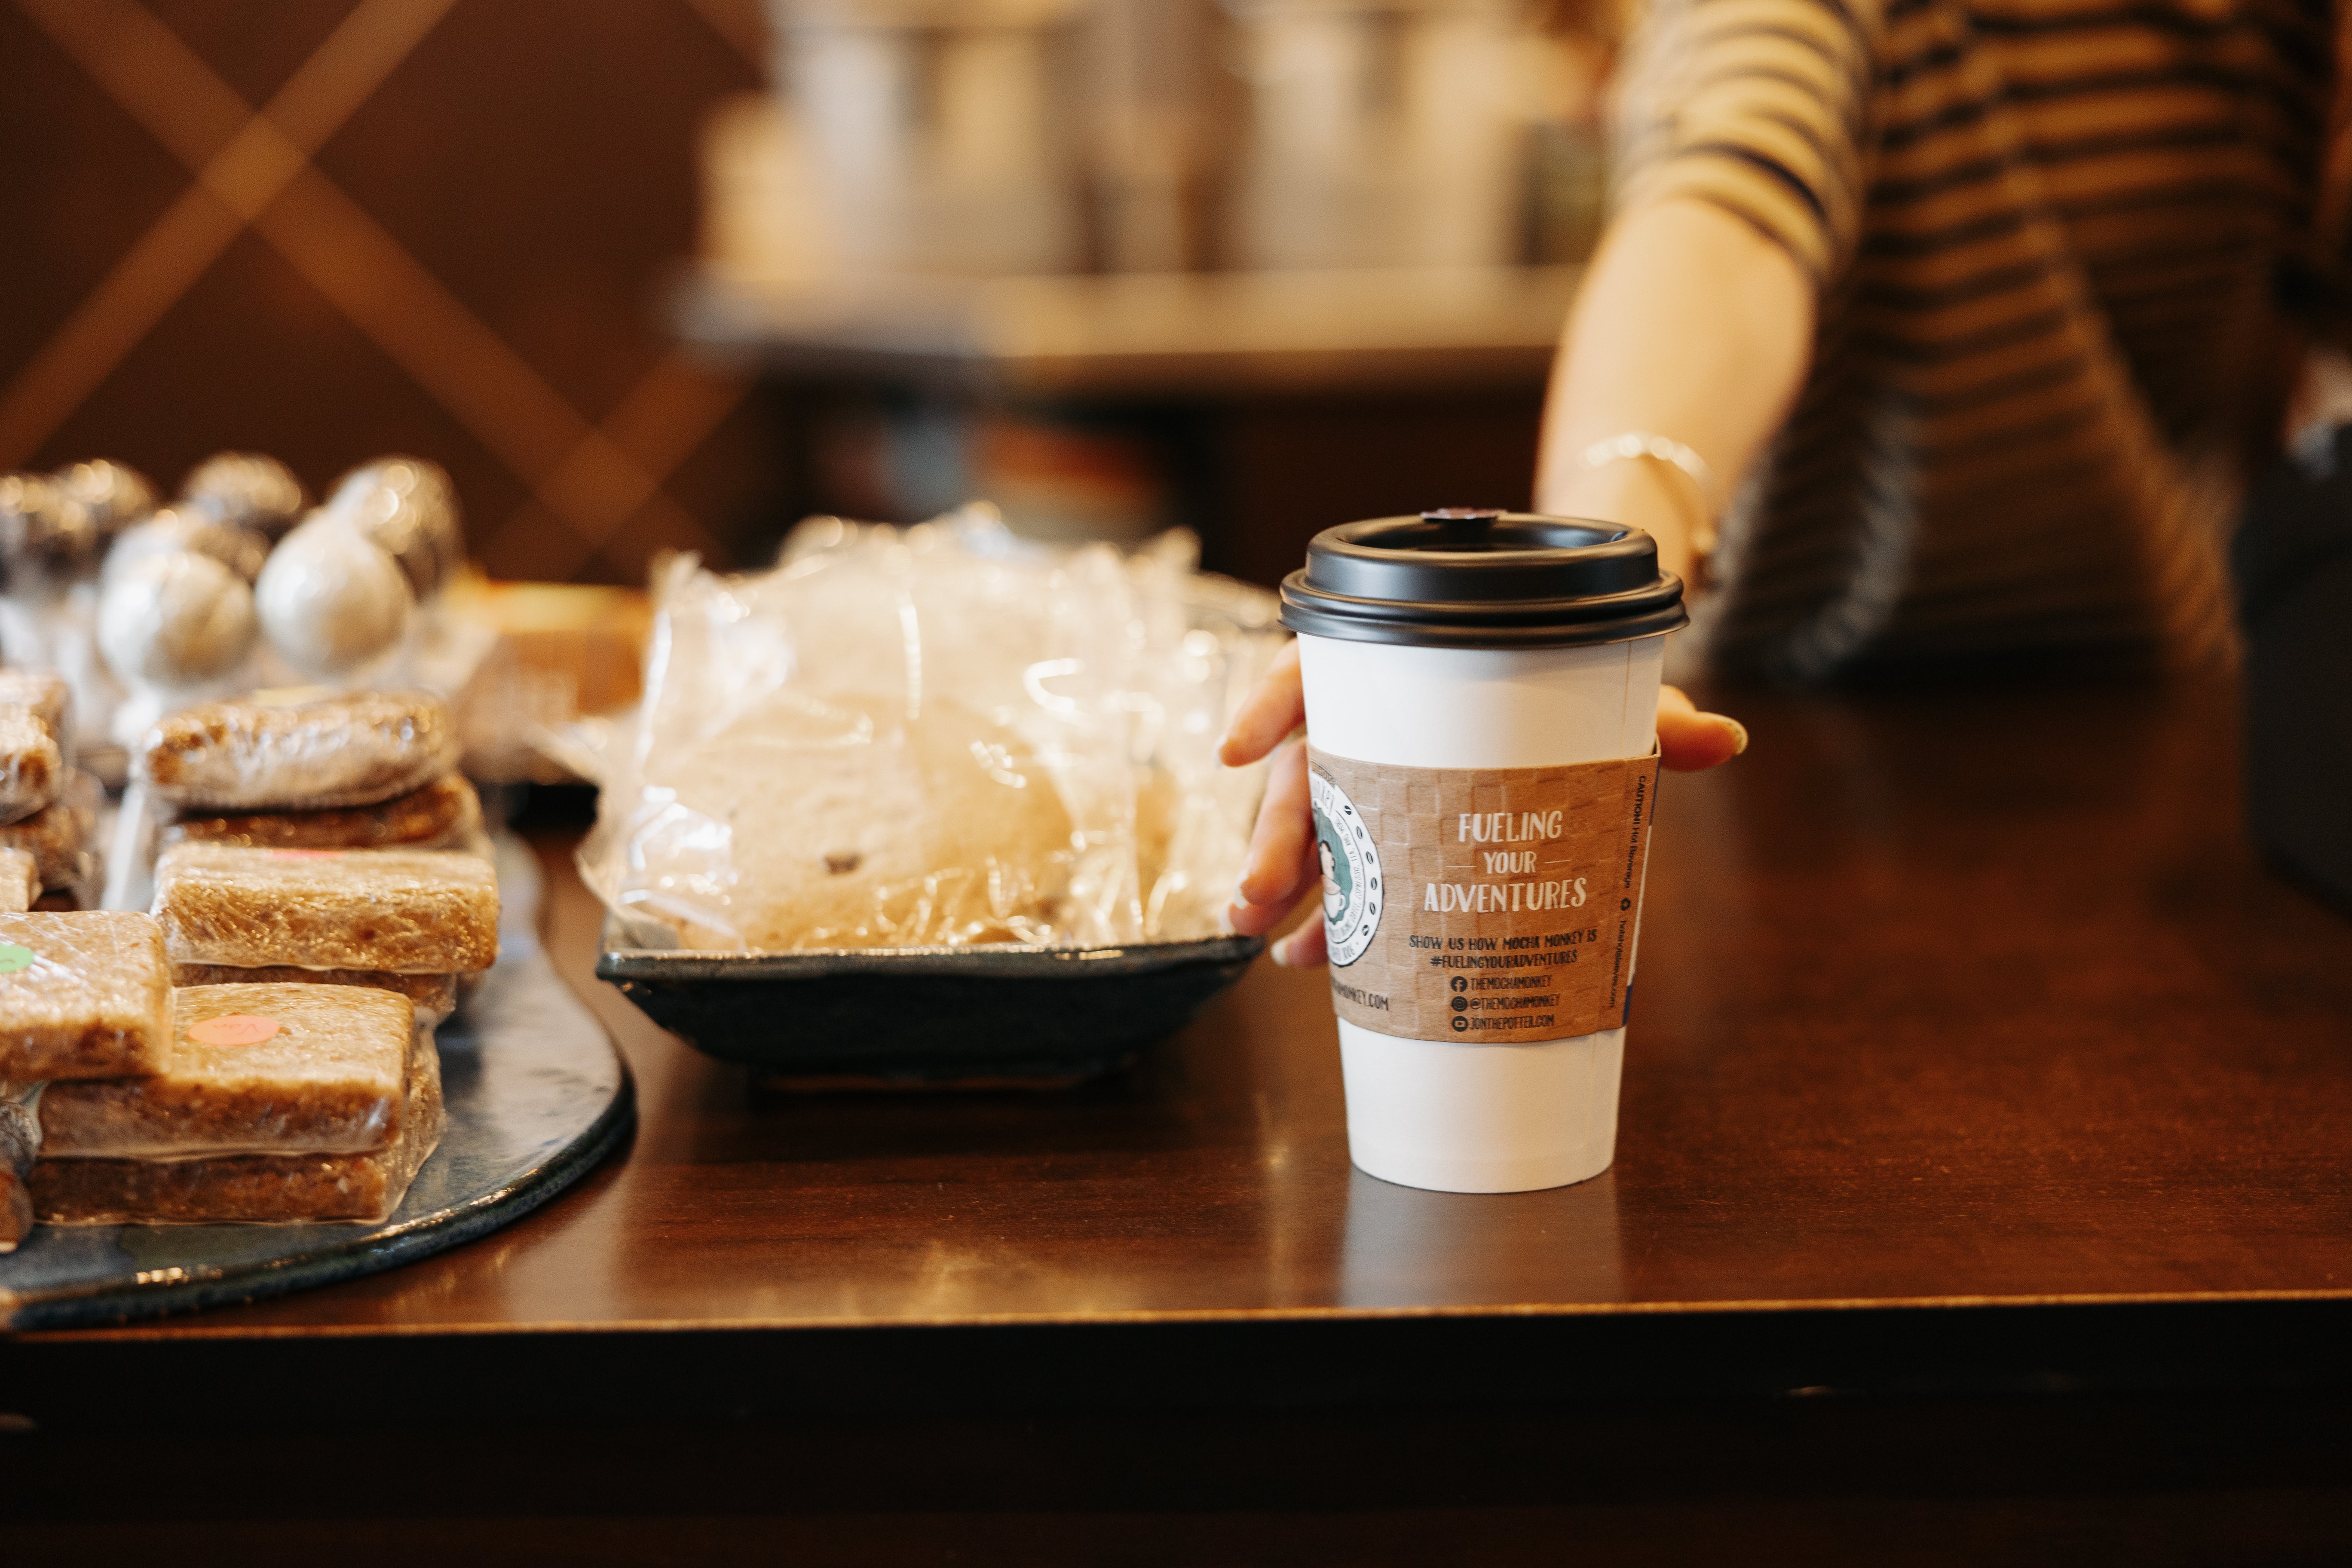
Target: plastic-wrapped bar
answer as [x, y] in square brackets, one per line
[58, 836]
[84, 995]
[253, 1069]
[435, 996]
[335, 750]
[31, 768]
[253, 1189]
[20, 881]
[414, 911]
[439, 815]
[46, 692]
[20, 1144]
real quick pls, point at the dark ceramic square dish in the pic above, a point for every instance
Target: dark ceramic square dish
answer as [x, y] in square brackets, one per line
[928, 1017]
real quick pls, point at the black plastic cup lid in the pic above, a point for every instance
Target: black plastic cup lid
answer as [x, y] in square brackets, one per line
[1461, 577]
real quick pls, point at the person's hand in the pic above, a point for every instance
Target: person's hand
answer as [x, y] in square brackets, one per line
[1282, 869]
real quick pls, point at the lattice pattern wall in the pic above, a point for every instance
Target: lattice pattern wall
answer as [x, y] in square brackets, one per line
[328, 230]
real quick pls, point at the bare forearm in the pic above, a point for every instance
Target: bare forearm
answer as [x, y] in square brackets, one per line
[1690, 325]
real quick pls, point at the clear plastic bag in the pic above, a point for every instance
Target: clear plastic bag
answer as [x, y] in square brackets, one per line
[309, 751]
[253, 1069]
[254, 1189]
[933, 736]
[85, 995]
[413, 911]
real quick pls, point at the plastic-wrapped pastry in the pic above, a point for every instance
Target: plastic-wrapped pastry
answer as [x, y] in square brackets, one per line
[330, 600]
[175, 620]
[32, 769]
[253, 1069]
[353, 749]
[246, 488]
[45, 691]
[440, 816]
[169, 533]
[254, 1189]
[46, 537]
[58, 836]
[435, 996]
[83, 996]
[115, 495]
[408, 508]
[20, 881]
[20, 1144]
[415, 911]
[932, 736]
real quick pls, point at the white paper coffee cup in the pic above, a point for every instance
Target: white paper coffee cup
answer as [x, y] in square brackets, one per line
[1565, 680]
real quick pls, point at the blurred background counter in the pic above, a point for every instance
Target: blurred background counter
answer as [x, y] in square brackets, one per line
[671, 274]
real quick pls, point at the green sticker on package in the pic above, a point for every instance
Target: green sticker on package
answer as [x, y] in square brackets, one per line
[14, 957]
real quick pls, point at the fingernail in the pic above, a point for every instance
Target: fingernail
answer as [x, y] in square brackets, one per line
[1739, 730]
[1242, 899]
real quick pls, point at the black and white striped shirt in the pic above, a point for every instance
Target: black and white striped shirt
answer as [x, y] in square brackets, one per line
[2059, 245]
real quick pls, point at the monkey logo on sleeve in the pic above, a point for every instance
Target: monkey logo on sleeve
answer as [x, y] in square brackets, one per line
[1350, 864]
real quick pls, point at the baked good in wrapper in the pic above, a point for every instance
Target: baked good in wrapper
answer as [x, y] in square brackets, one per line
[415, 911]
[259, 1189]
[184, 530]
[85, 995]
[435, 996]
[253, 1069]
[31, 768]
[115, 495]
[331, 601]
[57, 837]
[15, 1210]
[48, 537]
[44, 691]
[441, 815]
[174, 620]
[407, 507]
[20, 881]
[933, 736]
[905, 839]
[336, 750]
[250, 489]
[20, 1144]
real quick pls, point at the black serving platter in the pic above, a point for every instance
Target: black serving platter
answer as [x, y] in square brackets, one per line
[930, 1017]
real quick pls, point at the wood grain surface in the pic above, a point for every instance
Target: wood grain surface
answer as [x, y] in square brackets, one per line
[1946, 999]
[1986, 1129]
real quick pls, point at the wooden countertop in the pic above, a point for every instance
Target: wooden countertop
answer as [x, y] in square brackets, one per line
[1946, 999]
[1980, 1075]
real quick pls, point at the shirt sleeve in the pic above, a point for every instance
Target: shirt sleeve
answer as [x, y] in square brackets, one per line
[1758, 107]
